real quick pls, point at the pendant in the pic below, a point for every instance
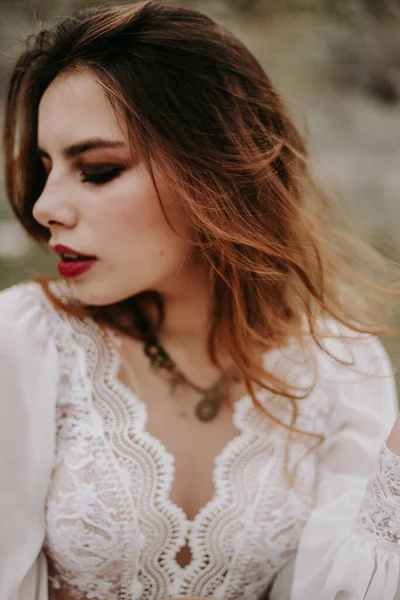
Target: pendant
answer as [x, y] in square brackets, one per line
[208, 408]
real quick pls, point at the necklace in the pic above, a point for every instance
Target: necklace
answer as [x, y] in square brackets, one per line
[211, 400]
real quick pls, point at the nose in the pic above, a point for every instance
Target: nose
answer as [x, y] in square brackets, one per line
[55, 206]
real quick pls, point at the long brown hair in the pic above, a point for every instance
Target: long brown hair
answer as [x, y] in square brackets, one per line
[198, 103]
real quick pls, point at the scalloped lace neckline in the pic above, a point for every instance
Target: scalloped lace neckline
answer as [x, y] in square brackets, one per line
[240, 410]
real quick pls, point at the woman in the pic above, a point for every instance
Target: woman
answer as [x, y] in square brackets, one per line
[146, 146]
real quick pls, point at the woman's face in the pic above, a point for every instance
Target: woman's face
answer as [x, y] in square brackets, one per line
[100, 201]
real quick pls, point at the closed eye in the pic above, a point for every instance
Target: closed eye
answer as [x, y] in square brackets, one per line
[101, 177]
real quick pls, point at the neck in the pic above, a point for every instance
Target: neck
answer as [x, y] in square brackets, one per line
[187, 315]
[185, 330]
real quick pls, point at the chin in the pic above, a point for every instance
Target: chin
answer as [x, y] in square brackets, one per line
[92, 295]
[100, 294]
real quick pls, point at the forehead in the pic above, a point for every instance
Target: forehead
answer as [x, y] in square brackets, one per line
[75, 106]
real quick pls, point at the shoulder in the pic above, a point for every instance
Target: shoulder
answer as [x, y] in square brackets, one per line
[340, 355]
[349, 376]
[358, 376]
[348, 356]
[18, 300]
[36, 330]
[27, 320]
[29, 389]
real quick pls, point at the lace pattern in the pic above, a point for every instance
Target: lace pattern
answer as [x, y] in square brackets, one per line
[112, 531]
[380, 511]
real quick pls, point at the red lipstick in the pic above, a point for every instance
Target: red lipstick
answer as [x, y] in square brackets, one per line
[73, 262]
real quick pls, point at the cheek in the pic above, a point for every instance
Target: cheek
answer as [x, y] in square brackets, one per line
[135, 218]
[130, 204]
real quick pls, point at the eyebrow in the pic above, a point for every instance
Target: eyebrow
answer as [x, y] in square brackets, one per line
[84, 146]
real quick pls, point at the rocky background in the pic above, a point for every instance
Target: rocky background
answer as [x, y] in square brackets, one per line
[337, 64]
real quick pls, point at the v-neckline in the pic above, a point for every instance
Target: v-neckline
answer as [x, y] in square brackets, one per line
[238, 405]
[241, 408]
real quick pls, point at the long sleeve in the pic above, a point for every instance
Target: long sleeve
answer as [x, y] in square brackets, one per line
[350, 548]
[28, 388]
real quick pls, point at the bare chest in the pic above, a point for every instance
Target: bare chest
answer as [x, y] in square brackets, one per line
[194, 444]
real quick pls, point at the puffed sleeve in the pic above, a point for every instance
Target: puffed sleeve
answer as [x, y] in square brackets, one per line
[28, 388]
[350, 547]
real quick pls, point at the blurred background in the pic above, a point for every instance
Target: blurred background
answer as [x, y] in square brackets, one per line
[337, 65]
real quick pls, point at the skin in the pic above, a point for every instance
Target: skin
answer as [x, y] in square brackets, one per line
[122, 224]
[121, 221]
[393, 441]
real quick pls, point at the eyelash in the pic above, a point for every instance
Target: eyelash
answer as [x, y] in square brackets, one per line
[102, 177]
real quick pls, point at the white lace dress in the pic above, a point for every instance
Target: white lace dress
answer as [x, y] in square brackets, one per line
[84, 488]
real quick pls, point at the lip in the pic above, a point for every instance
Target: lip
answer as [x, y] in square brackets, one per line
[60, 249]
[69, 269]
[73, 269]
